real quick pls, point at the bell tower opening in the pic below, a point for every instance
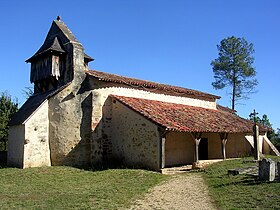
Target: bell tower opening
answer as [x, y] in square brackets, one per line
[47, 66]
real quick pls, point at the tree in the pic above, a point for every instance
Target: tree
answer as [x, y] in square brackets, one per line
[7, 109]
[28, 92]
[272, 135]
[234, 68]
[263, 121]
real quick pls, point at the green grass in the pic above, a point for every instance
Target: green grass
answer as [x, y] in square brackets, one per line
[71, 188]
[241, 191]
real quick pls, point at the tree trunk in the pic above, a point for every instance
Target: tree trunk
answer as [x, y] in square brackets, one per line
[233, 92]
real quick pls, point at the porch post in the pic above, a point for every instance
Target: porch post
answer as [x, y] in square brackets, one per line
[224, 139]
[197, 137]
[162, 140]
[163, 152]
[196, 155]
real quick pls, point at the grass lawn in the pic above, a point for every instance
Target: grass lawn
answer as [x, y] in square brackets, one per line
[241, 191]
[68, 188]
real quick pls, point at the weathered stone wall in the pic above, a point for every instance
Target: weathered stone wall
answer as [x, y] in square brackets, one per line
[135, 140]
[70, 114]
[70, 127]
[101, 117]
[15, 146]
[179, 149]
[36, 143]
[101, 143]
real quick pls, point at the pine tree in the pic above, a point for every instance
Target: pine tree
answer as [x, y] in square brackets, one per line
[234, 68]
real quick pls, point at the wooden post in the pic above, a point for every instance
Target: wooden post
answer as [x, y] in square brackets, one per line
[256, 136]
[162, 140]
[223, 137]
[196, 155]
[196, 137]
[256, 142]
[163, 152]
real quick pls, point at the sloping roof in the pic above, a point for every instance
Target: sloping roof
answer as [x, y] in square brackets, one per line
[46, 47]
[226, 109]
[183, 118]
[52, 42]
[66, 31]
[88, 58]
[31, 105]
[160, 88]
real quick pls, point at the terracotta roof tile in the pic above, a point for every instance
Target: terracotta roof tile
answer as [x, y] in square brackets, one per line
[150, 86]
[226, 109]
[185, 118]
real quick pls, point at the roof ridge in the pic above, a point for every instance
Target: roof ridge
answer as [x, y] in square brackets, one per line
[149, 84]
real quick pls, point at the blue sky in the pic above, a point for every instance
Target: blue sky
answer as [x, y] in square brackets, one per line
[166, 41]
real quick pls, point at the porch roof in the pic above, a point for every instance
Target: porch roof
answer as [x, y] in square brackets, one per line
[184, 118]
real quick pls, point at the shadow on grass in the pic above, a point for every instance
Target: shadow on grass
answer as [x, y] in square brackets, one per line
[113, 164]
[243, 180]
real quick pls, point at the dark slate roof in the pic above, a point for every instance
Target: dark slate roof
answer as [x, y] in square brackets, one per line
[51, 42]
[47, 47]
[183, 118]
[151, 86]
[88, 58]
[63, 27]
[31, 105]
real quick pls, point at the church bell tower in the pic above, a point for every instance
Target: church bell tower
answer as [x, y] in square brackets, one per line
[53, 65]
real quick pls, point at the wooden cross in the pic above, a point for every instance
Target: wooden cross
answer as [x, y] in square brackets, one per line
[254, 114]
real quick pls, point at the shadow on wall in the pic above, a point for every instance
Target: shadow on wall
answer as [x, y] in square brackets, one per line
[79, 156]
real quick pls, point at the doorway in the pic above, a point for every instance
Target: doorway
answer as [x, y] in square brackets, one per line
[203, 149]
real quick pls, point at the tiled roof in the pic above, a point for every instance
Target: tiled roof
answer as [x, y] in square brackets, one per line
[151, 86]
[183, 118]
[226, 109]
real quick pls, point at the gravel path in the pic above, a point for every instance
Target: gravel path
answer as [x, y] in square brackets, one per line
[186, 191]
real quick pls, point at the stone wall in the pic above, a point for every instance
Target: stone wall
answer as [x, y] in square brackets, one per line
[29, 143]
[36, 143]
[101, 143]
[179, 149]
[15, 146]
[70, 127]
[135, 140]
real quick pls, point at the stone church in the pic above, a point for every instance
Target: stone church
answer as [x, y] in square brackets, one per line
[81, 117]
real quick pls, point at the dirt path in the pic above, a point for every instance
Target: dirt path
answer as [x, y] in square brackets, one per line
[186, 191]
